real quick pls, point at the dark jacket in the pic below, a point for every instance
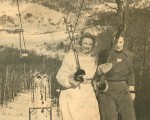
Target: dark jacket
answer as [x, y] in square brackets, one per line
[122, 70]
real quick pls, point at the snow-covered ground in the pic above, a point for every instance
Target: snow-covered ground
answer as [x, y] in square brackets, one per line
[43, 25]
[141, 4]
[35, 18]
[40, 24]
[32, 40]
[19, 108]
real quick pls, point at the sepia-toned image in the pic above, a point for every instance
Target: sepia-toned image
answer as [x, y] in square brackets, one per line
[74, 59]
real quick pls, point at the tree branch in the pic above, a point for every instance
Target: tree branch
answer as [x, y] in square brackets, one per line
[109, 6]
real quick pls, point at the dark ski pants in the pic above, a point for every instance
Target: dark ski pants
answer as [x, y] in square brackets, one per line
[115, 102]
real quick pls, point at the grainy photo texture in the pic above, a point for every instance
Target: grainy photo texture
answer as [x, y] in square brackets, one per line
[74, 59]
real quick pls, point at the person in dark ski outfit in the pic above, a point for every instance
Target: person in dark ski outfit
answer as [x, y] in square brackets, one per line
[117, 97]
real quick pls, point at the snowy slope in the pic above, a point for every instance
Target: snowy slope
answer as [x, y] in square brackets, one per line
[35, 18]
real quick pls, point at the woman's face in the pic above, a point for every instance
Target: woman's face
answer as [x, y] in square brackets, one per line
[87, 45]
[120, 44]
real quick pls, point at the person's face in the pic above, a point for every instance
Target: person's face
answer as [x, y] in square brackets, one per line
[120, 44]
[87, 45]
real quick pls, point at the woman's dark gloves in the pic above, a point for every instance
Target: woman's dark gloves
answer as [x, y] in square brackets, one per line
[100, 86]
[103, 86]
[78, 75]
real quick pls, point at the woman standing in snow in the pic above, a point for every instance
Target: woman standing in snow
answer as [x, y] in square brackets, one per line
[78, 101]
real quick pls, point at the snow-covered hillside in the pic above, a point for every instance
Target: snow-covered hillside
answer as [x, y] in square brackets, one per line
[35, 18]
[142, 4]
[40, 25]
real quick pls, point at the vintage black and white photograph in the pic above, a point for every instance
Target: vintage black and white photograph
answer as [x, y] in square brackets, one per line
[74, 59]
